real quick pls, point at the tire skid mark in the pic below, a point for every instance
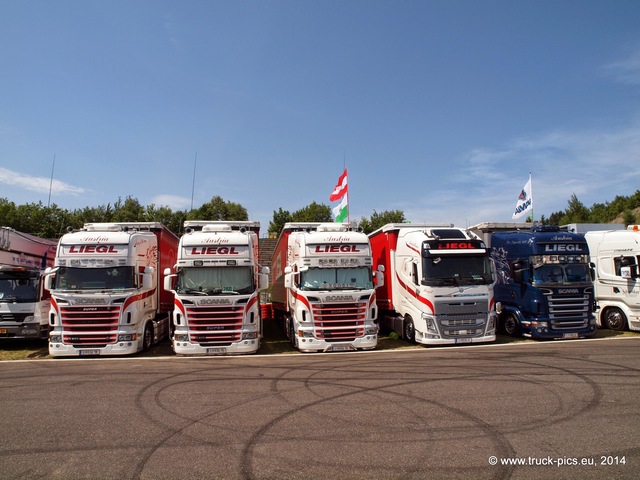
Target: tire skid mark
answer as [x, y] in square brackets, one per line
[504, 447]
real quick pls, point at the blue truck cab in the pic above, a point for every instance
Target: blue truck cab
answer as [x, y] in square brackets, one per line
[544, 286]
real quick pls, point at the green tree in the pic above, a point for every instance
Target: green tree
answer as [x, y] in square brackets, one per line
[598, 213]
[174, 221]
[628, 217]
[378, 220]
[277, 223]
[313, 212]
[556, 218]
[576, 212]
[100, 214]
[218, 209]
[129, 211]
[8, 213]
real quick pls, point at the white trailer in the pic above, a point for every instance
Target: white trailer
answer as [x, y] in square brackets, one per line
[24, 304]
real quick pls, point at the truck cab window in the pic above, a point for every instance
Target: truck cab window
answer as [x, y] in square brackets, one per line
[620, 262]
[215, 281]
[111, 278]
[456, 270]
[562, 273]
[356, 278]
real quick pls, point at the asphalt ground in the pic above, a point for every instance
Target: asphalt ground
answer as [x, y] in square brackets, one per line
[519, 410]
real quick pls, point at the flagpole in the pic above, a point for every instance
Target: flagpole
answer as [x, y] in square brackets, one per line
[347, 194]
[531, 183]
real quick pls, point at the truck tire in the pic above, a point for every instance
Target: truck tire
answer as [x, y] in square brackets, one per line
[409, 330]
[147, 339]
[292, 335]
[510, 325]
[614, 319]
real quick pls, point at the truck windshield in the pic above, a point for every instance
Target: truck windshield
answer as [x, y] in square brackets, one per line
[111, 278]
[215, 281]
[352, 278]
[562, 273]
[457, 270]
[18, 286]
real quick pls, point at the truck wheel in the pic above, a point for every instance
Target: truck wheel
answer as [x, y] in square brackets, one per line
[292, 335]
[615, 319]
[409, 331]
[147, 340]
[510, 324]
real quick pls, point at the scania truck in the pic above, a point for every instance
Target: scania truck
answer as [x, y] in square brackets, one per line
[216, 283]
[616, 255]
[544, 288]
[323, 288]
[438, 287]
[106, 289]
[24, 304]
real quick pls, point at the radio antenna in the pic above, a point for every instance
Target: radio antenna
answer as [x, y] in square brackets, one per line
[51, 180]
[193, 183]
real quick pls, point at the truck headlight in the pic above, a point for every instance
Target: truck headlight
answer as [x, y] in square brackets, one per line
[127, 337]
[431, 324]
[371, 331]
[249, 335]
[55, 338]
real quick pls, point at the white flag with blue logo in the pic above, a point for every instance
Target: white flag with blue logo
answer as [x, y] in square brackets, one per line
[525, 202]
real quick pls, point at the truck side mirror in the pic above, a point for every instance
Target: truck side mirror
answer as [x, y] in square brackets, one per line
[263, 280]
[288, 280]
[49, 275]
[518, 269]
[379, 276]
[147, 278]
[48, 281]
[168, 281]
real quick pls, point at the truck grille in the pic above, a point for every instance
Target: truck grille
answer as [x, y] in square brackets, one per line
[89, 326]
[13, 317]
[339, 322]
[568, 311]
[462, 319]
[217, 326]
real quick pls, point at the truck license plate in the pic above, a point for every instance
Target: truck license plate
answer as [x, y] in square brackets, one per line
[216, 351]
[340, 348]
[88, 352]
[463, 340]
[570, 335]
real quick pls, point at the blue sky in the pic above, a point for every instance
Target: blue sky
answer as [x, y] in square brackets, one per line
[438, 108]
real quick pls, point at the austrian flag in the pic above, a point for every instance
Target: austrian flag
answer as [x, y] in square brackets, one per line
[341, 188]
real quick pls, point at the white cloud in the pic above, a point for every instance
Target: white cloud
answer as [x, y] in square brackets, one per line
[596, 166]
[38, 184]
[175, 202]
[626, 70]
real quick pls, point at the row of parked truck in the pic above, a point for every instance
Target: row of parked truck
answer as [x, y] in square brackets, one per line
[118, 288]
